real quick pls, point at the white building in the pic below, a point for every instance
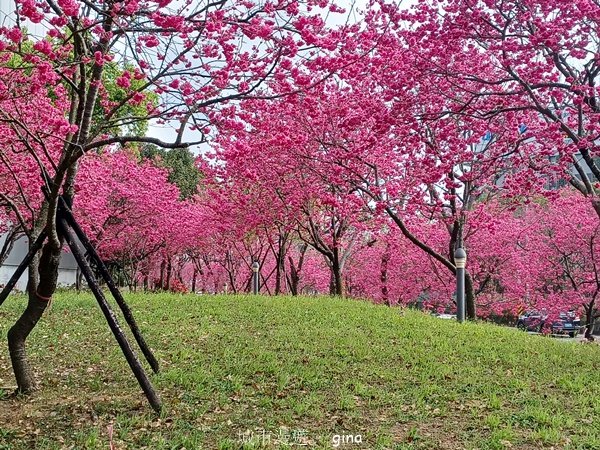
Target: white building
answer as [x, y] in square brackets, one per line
[8, 18]
[67, 273]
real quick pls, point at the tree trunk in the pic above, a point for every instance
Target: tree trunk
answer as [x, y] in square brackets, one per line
[161, 281]
[194, 280]
[589, 320]
[385, 259]
[280, 261]
[78, 279]
[470, 297]
[280, 270]
[331, 282]
[169, 270]
[294, 280]
[43, 277]
[337, 287]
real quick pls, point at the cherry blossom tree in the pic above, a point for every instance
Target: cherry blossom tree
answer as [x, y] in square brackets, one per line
[266, 146]
[196, 56]
[378, 156]
[122, 196]
[565, 249]
[521, 63]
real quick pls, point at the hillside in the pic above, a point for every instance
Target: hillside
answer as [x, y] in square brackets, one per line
[303, 370]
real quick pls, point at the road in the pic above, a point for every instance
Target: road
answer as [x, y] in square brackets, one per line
[564, 338]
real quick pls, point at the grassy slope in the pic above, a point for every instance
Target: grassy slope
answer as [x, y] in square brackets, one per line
[401, 379]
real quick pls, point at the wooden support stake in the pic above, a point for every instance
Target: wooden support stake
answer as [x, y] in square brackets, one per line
[70, 238]
[68, 215]
[21, 269]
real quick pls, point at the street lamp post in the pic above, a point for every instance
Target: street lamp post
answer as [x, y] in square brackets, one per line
[460, 261]
[255, 277]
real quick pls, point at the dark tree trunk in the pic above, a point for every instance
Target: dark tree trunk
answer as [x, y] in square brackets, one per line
[295, 270]
[385, 259]
[194, 280]
[161, 281]
[78, 279]
[280, 261]
[231, 276]
[16, 343]
[337, 282]
[470, 297]
[589, 320]
[294, 279]
[279, 271]
[169, 270]
[249, 283]
[41, 287]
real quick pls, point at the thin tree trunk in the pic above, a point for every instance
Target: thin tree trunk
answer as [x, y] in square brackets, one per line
[161, 281]
[280, 256]
[194, 280]
[295, 270]
[294, 278]
[385, 259]
[331, 282]
[279, 270]
[78, 279]
[589, 320]
[169, 270]
[470, 297]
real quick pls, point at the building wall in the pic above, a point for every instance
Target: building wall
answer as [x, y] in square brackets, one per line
[8, 19]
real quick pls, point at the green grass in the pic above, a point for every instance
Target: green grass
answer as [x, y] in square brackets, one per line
[302, 368]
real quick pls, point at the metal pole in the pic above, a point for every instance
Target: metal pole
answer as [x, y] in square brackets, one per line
[255, 277]
[460, 261]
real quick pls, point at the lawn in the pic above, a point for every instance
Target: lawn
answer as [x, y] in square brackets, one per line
[280, 371]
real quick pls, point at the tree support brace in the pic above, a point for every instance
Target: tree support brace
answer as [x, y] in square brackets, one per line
[70, 237]
[70, 230]
[91, 251]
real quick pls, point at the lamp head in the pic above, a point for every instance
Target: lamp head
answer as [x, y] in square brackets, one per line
[460, 258]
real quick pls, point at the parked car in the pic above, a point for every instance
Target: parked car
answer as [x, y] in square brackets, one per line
[566, 323]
